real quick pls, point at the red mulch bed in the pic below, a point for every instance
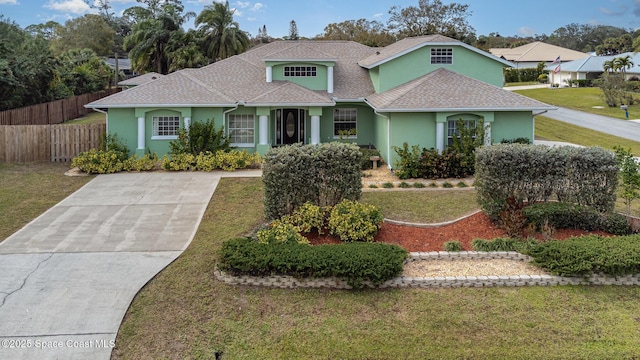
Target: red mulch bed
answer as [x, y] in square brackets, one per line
[477, 226]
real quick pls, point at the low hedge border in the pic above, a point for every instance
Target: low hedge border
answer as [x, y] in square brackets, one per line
[358, 264]
[291, 282]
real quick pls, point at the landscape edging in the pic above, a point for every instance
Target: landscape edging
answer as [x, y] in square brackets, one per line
[290, 282]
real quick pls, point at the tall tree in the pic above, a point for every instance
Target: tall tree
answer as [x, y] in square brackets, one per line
[615, 46]
[26, 67]
[583, 37]
[293, 31]
[221, 35]
[367, 32]
[155, 26]
[82, 71]
[186, 53]
[431, 17]
[86, 32]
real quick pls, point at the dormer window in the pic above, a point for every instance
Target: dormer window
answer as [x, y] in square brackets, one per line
[441, 56]
[300, 71]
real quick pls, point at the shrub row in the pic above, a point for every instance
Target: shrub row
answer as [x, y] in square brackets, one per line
[534, 173]
[585, 255]
[431, 164]
[321, 174]
[348, 220]
[207, 161]
[353, 262]
[503, 244]
[111, 161]
[572, 216]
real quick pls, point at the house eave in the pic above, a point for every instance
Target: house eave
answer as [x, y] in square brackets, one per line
[123, 106]
[433, 110]
[286, 104]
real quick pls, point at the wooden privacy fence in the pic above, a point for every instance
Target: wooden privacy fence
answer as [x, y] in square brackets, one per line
[54, 143]
[54, 112]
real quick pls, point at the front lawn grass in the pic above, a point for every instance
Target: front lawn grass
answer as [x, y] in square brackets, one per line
[583, 99]
[423, 205]
[185, 313]
[28, 190]
[90, 118]
[555, 130]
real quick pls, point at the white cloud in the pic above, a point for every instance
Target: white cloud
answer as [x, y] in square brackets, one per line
[610, 12]
[378, 15]
[526, 31]
[8, 2]
[258, 6]
[243, 4]
[69, 6]
[251, 19]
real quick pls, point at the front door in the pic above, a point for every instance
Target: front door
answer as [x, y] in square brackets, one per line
[289, 126]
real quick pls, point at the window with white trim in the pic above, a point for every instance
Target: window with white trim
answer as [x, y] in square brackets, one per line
[345, 120]
[442, 56]
[165, 126]
[241, 130]
[300, 71]
[452, 128]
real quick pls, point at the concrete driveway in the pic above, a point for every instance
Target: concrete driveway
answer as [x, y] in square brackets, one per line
[68, 277]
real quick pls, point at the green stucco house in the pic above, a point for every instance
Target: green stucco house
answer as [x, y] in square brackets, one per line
[287, 92]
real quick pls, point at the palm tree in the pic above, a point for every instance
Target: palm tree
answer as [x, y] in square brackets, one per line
[150, 37]
[623, 63]
[221, 35]
[609, 66]
[185, 53]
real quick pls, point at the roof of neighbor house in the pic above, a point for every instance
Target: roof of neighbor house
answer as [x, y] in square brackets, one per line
[140, 79]
[240, 80]
[595, 64]
[537, 51]
[454, 92]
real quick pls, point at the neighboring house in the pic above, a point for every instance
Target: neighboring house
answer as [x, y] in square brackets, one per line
[287, 92]
[590, 67]
[139, 80]
[124, 66]
[530, 55]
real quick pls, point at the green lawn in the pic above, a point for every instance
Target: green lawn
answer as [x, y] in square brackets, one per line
[583, 99]
[28, 190]
[90, 118]
[185, 313]
[550, 129]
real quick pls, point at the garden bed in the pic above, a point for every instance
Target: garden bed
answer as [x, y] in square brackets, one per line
[420, 239]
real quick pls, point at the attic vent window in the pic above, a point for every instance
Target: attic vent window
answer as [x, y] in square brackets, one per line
[300, 71]
[441, 56]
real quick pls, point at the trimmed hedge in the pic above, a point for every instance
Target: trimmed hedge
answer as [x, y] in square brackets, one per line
[585, 255]
[503, 244]
[572, 216]
[533, 173]
[353, 262]
[321, 174]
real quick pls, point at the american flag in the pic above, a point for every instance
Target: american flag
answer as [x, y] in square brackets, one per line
[556, 61]
[556, 70]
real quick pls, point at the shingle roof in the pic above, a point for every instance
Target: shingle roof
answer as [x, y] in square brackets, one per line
[141, 79]
[595, 64]
[407, 45]
[291, 94]
[537, 51]
[442, 90]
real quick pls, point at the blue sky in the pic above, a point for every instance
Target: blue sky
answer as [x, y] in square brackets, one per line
[506, 17]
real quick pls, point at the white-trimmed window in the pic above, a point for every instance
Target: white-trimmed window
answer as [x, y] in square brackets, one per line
[165, 127]
[241, 130]
[452, 128]
[300, 71]
[345, 120]
[442, 56]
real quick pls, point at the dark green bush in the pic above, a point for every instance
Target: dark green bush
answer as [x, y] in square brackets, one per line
[353, 262]
[520, 140]
[320, 174]
[571, 216]
[200, 138]
[616, 256]
[534, 173]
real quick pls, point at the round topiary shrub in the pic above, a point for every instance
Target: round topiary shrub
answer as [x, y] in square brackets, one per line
[354, 221]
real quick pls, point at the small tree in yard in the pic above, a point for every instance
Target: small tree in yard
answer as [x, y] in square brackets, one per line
[630, 175]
